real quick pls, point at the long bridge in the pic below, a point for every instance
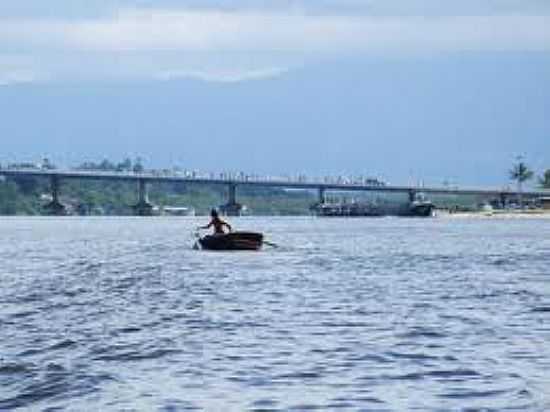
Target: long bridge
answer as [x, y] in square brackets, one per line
[143, 207]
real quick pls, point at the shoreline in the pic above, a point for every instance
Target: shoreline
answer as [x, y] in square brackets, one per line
[439, 214]
[523, 214]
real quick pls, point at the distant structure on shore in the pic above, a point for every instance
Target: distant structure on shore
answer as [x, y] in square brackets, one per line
[545, 203]
[419, 206]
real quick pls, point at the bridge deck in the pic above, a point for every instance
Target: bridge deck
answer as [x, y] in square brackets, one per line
[152, 177]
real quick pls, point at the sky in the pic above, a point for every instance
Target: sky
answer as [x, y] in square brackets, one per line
[399, 89]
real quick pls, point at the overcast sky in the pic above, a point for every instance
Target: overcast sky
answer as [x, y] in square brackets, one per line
[84, 44]
[234, 40]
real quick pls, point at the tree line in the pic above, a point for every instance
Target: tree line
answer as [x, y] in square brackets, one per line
[25, 195]
[521, 173]
[127, 165]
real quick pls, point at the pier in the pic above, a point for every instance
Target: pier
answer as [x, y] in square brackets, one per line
[143, 207]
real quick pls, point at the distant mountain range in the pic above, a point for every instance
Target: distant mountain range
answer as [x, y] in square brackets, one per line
[461, 118]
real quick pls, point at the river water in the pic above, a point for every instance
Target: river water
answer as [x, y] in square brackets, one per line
[366, 314]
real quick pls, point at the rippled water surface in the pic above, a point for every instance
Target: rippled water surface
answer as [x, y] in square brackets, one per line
[381, 314]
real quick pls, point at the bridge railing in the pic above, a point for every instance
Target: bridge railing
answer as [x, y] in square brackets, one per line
[195, 175]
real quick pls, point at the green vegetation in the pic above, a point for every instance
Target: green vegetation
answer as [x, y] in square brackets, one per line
[544, 180]
[107, 166]
[521, 173]
[27, 196]
[16, 199]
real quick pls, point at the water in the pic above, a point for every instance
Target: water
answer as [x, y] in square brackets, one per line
[381, 314]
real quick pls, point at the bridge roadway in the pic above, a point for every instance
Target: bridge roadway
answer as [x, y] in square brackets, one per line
[321, 186]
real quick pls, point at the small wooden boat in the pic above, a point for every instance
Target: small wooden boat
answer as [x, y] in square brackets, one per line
[232, 241]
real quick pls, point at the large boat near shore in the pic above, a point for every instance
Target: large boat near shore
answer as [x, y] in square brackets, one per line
[348, 209]
[419, 206]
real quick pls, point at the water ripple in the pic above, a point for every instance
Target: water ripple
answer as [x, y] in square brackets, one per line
[384, 314]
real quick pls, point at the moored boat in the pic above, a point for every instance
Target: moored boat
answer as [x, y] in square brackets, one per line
[421, 206]
[421, 209]
[232, 241]
[353, 209]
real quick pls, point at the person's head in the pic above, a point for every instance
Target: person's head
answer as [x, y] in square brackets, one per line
[214, 213]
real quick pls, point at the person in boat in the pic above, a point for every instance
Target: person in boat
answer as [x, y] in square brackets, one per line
[217, 223]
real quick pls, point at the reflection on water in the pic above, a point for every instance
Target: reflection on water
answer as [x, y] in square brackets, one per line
[383, 314]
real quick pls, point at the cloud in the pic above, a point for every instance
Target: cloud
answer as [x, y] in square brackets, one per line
[17, 77]
[229, 31]
[78, 9]
[216, 31]
[171, 36]
[16, 69]
[140, 65]
[223, 76]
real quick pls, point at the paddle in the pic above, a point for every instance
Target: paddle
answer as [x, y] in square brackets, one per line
[196, 236]
[273, 245]
[264, 242]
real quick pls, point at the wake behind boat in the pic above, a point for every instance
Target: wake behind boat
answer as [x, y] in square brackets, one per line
[232, 241]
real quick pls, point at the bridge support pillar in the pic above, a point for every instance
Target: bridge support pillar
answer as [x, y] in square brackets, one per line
[412, 195]
[232, 208]
[55, 207]
[321, 199]
[143, 207]
[503, 200]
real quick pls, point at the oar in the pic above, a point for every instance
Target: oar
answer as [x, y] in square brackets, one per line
[274, 245]
[196, 235]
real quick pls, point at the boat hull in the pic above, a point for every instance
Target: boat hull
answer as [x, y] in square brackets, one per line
[232, 241]
[423, 209]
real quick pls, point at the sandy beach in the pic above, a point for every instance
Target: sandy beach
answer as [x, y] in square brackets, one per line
[524, 214]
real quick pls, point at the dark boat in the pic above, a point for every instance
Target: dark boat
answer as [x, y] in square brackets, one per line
[421, 206]
[233, 241]
[421, 209]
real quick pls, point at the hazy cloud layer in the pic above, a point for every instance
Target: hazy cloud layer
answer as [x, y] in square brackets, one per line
[253, 31]
[75, 9]
[393, 27]
[111, 66]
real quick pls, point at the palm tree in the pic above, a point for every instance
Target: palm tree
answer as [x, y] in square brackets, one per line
[520, 173]
[544, 180]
